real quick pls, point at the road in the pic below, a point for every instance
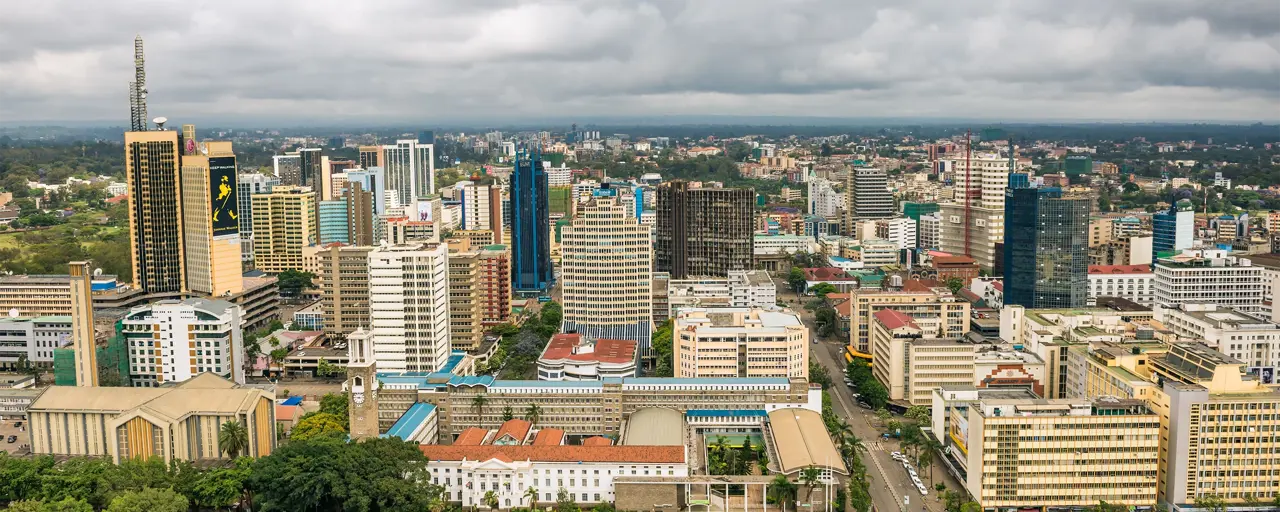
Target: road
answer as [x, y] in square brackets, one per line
[890, 483]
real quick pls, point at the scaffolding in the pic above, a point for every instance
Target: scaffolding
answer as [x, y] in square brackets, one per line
[113, 355]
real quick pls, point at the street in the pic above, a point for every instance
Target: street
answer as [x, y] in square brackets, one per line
[889, 482]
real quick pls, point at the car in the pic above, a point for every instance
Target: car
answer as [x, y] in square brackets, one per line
[864, 405]
[815, 341]
[896, 455]
[17, 424]
[12, 439]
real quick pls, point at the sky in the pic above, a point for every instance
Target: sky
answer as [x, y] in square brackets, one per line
[286, 62]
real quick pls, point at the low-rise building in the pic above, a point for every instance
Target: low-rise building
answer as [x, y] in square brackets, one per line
[32, 339]
[742, 289]
[739, 342]
[572, 357]
[1130, 282]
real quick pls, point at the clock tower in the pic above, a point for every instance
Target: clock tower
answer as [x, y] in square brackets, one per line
[362, 385]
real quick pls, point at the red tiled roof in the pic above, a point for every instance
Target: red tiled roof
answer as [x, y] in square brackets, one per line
[636, 454]
[893, 319]
[286, 412]
[1119, 269]
[922, 285]
[471, 437]
[953, 260]
[597, 441]
[117, 199]
[606, 351]
[998, 285]
[549, 437]
[516, 428]
[826, 274]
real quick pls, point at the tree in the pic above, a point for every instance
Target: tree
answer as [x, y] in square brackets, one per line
[955, 284]
[327, 370]
[149, 500]
[533, 413]
[491, 499]
[818, 374]
[822, 289]
[661, 346]
[531, 494]
[796, 279]
[233, 438]
[222, 487]
[320, 474]
[337, 405]
[781, 490]
[552, 314]
[508, 414]
[315, 425]
[810, 476]
[1210, 502]
[477, 405]
[919, 414]
[564, 501]
[65, 505]
[292, 282]
[874, 393]
[278, 355]
[828, 322]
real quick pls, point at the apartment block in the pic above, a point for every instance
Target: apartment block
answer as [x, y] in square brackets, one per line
[479, 291]
[409, 306]
[342, 273]
[173, 341]
[1209, 275]
[284, 221]
[739, 342]
[917, 299]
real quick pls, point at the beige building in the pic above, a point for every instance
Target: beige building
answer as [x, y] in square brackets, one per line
[1038, 453]
[284, 222]
[171, 423]
[466, 326]
[739, 342]
[980, 181]
[210, 228]
[606, 273]
[152, 171]
[917, 299]
[343, 277]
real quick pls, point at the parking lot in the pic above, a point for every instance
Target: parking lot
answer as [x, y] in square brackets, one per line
[8, 428]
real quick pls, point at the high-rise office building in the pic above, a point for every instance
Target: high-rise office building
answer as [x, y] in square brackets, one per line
[703, 232]
[410, 169]
[152, 164]
[343, 278]
[284, 221]
[247, 185]
[479, 280]
[310, 166]
[974, 222]
[1046, 249]
[1207, 275]
[374, 181]
[1173, 230]
[333, 226]
[370, 156]
[868, 195]
[607, 273]
[530, 224]
[288, 168]
[210, 222]
[409, 306]
[481, 207]
[360, 214]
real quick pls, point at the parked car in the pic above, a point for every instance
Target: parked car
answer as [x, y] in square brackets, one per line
[12, 439]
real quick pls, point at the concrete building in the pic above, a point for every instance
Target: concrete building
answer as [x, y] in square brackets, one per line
[878, 253]
[739, 342]
[210, 224]
[822, 198]
[899, 230]
[917, 299]
[172, 341]
[929, 229]
[152, 169]
[1174, 229]
[975, 231]
[342, 276]
[482, 209]
[409, 306]
[399, 230]
[1209, 276]
[1130, 282]
[284, 221]
[1132, 249]
[1052, 454]
[1245, 337]
[703, 231]
[34, 295]
[479, 286]
[573, 357]
[606, 273]
[410, 169]
[287, 168]
[33, 338]
[1046, 245]
[742, 289]
[174, 422]
[247, 185]
[868, 196]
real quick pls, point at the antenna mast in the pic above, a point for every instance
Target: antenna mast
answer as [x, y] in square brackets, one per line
[138, 90]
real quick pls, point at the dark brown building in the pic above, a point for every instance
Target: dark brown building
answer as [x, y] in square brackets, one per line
[152, 162]
[359, 214]
[703, 231]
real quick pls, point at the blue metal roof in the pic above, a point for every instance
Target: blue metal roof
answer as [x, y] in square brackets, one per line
[471, 380]
[411, 420]
[547, 384]
[716, 413]
[293, 400]
[452, 362]
[391, 378]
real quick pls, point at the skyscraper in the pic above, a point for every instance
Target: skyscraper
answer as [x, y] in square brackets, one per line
[374, 181]
[152, 163]
[284, 221]
[309, 168]
[482, 208]
[974, 222]
[332, 226]
[868, 196]
[607, 272]
[530, 225]
[247, 185]
[370, 156]
[703, 232]
[1173, 230]
[342, 276]
[288, 168]
[210, 225]
[1046, 249]
[410, 169]
[360, 214]
[409, 306]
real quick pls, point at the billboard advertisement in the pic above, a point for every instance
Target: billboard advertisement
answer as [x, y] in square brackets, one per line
[222, 196]
[424, 211]
[1265, 374]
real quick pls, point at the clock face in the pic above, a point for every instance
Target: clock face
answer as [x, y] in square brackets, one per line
[358, 397]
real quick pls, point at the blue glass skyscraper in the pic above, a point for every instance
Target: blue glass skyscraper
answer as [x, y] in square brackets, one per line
[1173, 229]
[530, 225]
[1046, 248]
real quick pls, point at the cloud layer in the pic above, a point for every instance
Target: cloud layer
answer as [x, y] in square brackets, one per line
[286, 61]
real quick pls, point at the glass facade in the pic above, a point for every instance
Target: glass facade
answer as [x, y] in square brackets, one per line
[530, 225]
[333, 221]
[1046, 249]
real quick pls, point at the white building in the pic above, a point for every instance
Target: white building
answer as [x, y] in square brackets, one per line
[1132, 282]
[823, 200]
[1209, 275]
[878, 253]
[773, 245]
[982, 185]
[559, 176]
[410, 169]
[899, 230]
[573, 357]
[409, 306]
[741, 289]
[930, 229]
[739, 342]
[35, 338]
[117, 188]
[476, 207]
[172, 341]
[1249, 338]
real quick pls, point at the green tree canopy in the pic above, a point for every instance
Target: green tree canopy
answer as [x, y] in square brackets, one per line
[320, 424]
[149, 500]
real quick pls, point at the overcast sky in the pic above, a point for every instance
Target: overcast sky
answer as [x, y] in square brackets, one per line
[289, 61]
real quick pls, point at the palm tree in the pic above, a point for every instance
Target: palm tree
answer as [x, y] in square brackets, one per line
[533, 414]
[532, 494]
[491, 499]
[782, 491]
[477, 405]
[810, 476]
[850, 445]
[233, 437]
[931, 447]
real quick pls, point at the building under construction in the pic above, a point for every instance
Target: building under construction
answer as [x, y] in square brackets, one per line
[703, 231]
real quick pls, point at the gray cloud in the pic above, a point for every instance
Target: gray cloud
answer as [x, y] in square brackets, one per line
[283, 61]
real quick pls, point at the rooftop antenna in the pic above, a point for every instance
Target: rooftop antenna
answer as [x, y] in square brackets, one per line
[160, 121]
[138, 89]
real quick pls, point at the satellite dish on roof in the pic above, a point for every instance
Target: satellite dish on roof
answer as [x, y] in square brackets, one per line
[160, 121]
